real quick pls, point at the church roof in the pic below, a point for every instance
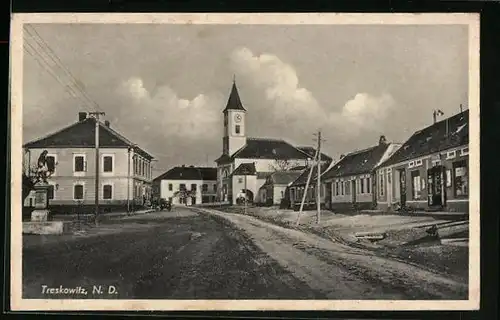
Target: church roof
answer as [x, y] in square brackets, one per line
[259, 148]
[311, 151]
[82, 135]
[234, 101]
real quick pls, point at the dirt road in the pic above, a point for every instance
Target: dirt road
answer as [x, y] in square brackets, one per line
[342, 272]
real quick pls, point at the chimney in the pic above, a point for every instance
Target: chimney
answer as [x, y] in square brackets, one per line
[382, 140]
[82, 116]
[183, 166]
[106, 123]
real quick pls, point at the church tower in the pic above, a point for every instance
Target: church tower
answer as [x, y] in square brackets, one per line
[234, 136]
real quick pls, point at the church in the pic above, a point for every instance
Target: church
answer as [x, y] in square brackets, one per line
[246, 162]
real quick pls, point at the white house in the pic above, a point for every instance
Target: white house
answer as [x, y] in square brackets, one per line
[200, 181]
[125, 169]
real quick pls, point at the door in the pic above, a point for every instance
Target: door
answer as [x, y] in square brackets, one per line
[193, 200]
[353, 190]
[435, 178]
[402, 187]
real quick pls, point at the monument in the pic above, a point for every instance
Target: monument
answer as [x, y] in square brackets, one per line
[40, 223]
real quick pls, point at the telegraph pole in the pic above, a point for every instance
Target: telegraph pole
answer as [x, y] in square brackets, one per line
[318, 180]
[96, 115]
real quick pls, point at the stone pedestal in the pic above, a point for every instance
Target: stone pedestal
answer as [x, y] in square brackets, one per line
[39, 223]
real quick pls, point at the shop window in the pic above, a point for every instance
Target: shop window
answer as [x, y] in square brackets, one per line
[461, 179]
[415, 185]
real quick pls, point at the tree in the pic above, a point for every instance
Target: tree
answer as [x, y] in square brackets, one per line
[184, 194]
[281, 165]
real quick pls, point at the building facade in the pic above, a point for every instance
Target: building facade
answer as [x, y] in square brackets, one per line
[297, 189]
[351, 180]
[125, 170]
[274, 190]
[187, 185]
[430, 171]
[246, 162]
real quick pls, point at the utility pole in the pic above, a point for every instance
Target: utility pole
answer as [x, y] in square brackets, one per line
[318, 180]
[305, 190]
[96, 115]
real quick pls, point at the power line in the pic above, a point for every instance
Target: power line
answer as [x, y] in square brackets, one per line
[45, 66]
[57, 61]
[45, 48]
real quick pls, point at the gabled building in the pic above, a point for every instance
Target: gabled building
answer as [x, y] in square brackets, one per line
[431, 169]
[297, 188]
[273, 192]
[249, 161]
[201, 182]
[125, 172]
[351, 180]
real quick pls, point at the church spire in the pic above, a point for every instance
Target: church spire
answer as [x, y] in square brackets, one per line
[234, 101]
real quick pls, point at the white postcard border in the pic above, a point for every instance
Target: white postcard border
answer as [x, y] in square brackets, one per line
[17, 22]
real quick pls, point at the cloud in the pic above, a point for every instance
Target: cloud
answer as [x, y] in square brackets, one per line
[169, 116]
[290, 104]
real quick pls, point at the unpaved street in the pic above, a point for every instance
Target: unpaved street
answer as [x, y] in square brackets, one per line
[342, 272]
[214, 255]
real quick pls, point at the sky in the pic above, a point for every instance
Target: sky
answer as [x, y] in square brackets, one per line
[164, 86]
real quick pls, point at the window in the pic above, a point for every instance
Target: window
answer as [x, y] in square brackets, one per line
[107, 163]
[381, 184]
[79, 163]
[50, 193]
[418, 162]
[362, 185]
[342, 188]
[237, 129]
[336, 188]
[461, 178]
[107, 192]
[170, 187]
[182, 186]
[411, 164]
[215, 187]
[78, 192]
[204, 187]
[451, 155]
[465, 151]
[193, 187]
[368, 186]
[282, 194]
[415, 185]
[347, 188]
[240, 180]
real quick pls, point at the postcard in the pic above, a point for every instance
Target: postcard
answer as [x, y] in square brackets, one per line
[311, 161]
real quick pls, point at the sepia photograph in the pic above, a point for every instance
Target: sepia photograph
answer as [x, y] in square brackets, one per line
[245, 162]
